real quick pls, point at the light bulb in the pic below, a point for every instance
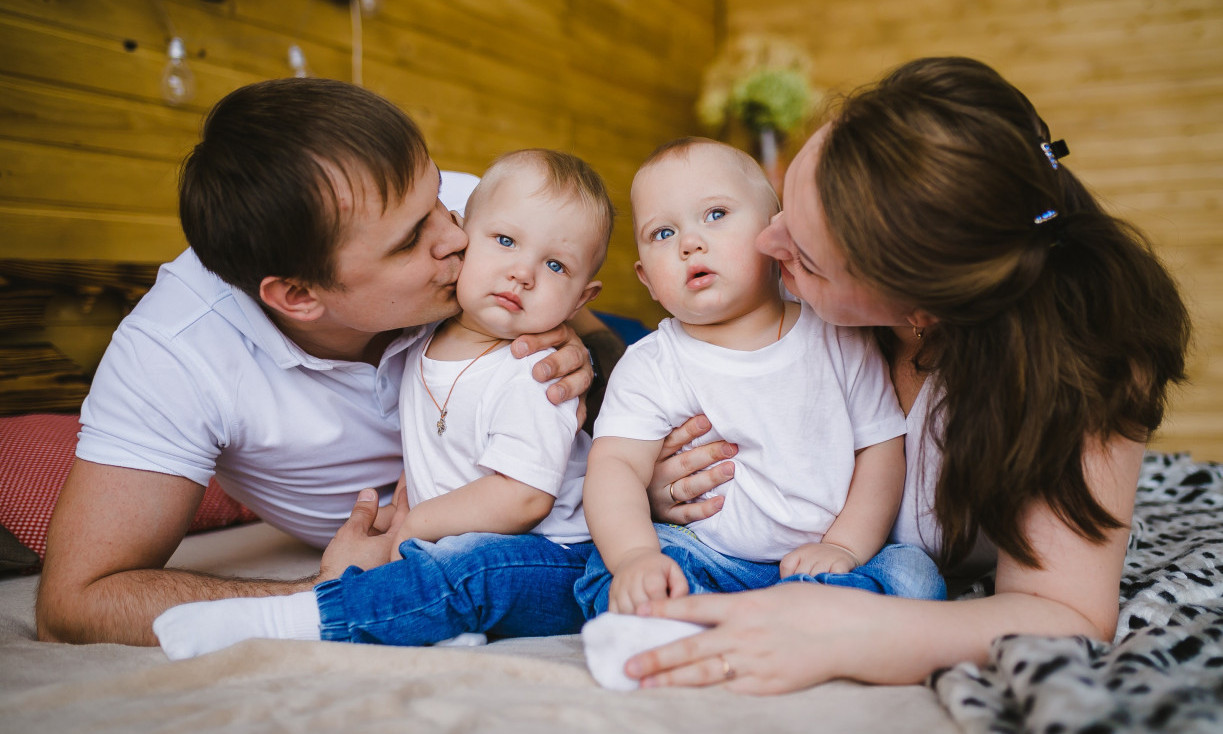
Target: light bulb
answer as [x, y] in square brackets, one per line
[177, 81]
[297, 60]
[370, 7]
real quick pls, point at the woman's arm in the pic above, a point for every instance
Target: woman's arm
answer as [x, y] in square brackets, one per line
[796, 635]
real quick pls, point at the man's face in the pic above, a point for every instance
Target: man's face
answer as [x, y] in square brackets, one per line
[394, 268]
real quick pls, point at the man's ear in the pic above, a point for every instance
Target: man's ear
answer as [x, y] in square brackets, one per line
[592, 289]
[637, 267]
[290, 298]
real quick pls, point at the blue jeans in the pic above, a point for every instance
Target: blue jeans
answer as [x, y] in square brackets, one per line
[501, 585]
[897, 570]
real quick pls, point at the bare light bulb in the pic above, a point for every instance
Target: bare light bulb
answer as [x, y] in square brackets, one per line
[177, 81]
[297, 60]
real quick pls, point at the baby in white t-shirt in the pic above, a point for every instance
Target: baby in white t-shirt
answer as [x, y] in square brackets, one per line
[820, 467]
[495, 537]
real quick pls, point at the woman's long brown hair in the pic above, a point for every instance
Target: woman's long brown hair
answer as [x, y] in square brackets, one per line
[1049, 334]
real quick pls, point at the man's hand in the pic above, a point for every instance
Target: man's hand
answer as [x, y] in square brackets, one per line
[367, 537]
[570, 362]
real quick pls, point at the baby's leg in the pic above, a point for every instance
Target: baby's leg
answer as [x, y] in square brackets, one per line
[503, 585]
[201, 627]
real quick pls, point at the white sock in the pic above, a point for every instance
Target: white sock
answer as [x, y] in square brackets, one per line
[611, 639]
[201, 627]
[464, 639]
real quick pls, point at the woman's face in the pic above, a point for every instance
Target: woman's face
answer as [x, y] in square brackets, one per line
[813, 265]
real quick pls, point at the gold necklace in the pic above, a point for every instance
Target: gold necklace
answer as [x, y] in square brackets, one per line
[441, 420]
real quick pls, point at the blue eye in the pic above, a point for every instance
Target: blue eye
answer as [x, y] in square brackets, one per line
[505, 241]
[662, 233]
[555, 266]
[715, 214]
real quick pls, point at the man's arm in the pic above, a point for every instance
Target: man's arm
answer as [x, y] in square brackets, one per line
[110, 537]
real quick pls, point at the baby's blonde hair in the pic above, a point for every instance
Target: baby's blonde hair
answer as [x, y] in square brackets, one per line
[748, 165]
[564, 175]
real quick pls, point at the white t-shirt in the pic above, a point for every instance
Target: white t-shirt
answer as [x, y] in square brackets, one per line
[197, 380]
[498, 419]
[798, 409]
[915, 523]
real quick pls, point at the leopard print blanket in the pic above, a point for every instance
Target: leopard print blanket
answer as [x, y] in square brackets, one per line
[1164, 670]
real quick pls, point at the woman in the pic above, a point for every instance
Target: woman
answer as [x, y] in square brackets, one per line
[1032, 339]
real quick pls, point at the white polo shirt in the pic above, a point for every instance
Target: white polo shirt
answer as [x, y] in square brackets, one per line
[197, 380]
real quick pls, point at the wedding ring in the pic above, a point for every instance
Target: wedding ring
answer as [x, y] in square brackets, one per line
[728, 673]
[671, 493]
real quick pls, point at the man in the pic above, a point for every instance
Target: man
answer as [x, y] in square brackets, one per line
[269, 353]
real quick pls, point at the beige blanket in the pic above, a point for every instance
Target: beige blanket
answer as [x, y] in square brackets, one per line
[528, 685]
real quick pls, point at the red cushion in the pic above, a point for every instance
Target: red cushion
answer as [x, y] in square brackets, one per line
[35, 454]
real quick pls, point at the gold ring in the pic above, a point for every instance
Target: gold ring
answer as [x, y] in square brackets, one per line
[728, 672]
[671, 493]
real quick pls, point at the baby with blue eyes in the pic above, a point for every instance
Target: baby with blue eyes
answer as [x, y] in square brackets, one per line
[493, 537]
[820, 465]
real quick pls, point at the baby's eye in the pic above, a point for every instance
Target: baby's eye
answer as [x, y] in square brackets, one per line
[555, 266]
[715, 214]
[505, 241]
[662, 233]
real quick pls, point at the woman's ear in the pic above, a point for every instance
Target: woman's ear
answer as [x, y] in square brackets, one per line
[919, 318]
[289, 298]
[645, 280]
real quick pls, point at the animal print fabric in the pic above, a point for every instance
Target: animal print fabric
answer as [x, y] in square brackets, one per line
[1164, 670]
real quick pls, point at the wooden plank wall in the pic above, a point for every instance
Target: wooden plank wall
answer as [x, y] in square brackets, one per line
[89, 152]
[1134, 86]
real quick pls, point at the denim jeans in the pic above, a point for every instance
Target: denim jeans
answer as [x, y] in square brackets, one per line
[897, 570]
[500, 585]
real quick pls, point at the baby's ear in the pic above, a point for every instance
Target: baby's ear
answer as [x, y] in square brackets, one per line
[645, 279]
[290, 298]
[592, 289]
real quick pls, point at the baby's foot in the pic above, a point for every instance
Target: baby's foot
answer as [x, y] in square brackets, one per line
[611, 639]
[188, 630]
[465, 639]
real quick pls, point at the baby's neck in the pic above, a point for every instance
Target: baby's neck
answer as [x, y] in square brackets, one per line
[747, 332]
[453, 340]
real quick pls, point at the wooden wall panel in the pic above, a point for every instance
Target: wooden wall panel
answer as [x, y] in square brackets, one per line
[1136, 89]
[89, 153]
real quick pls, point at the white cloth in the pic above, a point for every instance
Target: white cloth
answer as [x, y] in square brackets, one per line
[798, 409]
[197, 380]
[498, 419]
[915, 523]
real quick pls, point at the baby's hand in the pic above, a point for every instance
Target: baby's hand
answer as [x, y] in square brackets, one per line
[813, 558]
[642, 576]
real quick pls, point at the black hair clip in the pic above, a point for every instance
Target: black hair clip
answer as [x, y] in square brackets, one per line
[1053, 151]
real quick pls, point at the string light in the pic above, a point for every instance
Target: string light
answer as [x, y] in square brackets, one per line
[177, 81]
[297, 60]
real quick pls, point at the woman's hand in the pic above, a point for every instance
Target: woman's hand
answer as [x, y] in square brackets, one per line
[681, 477]
[570, 362]
[783, 638]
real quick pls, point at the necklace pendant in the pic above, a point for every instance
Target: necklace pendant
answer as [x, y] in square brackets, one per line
[441, 423]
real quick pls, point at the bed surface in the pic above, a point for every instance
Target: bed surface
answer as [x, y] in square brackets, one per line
[528, 685]
[1162, 673]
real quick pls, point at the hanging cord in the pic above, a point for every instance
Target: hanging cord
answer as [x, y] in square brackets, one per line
[355, 12]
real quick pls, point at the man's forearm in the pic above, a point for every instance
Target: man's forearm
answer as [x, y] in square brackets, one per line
[120, 608]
